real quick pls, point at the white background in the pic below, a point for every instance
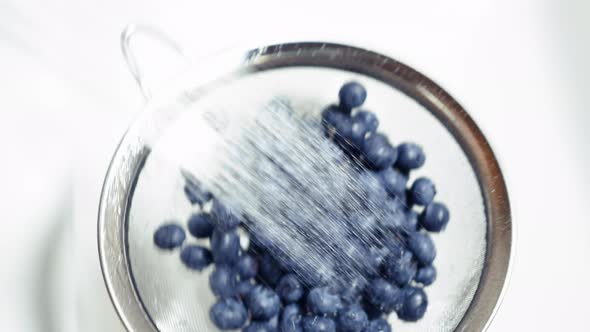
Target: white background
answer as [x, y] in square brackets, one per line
[66, 97]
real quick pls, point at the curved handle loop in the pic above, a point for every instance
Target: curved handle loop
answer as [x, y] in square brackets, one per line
[127, 36]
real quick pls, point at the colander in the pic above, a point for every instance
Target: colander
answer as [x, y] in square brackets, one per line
[152, 291]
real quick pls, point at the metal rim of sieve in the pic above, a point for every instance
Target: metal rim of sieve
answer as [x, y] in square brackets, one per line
[127, 163]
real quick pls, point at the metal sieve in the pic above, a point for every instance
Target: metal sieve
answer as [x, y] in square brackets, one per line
[152, 292]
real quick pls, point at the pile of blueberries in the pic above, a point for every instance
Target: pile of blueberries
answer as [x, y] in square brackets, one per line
[256, 293]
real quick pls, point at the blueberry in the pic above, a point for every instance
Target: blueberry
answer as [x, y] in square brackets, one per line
[393, 244]
[361, 226]
[378, 153]
[410, 156]
[290, 289]
[196, 257]
[335, 121]
[332, 116]
[263, 303]
[269, 270]
[259, 326]
[358, 132]
[422, 191]
[411, 220]
[224, 218]
[287, 262]
[225, 246]
[169, 236]
[426, 275]
[423, 248]
[394, 216]
[312, 278]
[378, 325]
[400, 267]
[318, 324]
[263, 326]
[291, 319]
[273, 322]
[244, 287]
[435, 217]
[369, 120]
[200, 225]
[259, 242]
[393, 181]
[374, 260]
[352, 95]
[322, 301]
[247, 266]
[228, 314]
[344, 134]
[414, 304]
[348, 254]
[352, 291]
[223, 281]
[394, 204]
[403, 198]
[373, 189]
[352, 319]
[373, 311]
[195, 192]
[343, 126]
[384, 295]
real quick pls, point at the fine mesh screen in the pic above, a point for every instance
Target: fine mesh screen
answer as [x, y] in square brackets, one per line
[209, 133]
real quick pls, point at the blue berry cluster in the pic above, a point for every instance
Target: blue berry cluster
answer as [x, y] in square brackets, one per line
[257, 292]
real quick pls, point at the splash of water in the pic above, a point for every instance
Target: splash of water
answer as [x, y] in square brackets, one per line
[313, 205]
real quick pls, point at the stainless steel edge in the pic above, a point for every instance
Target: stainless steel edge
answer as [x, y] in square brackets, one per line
[112, 234]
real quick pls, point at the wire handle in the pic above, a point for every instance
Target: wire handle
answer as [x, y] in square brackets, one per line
[127, 36]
